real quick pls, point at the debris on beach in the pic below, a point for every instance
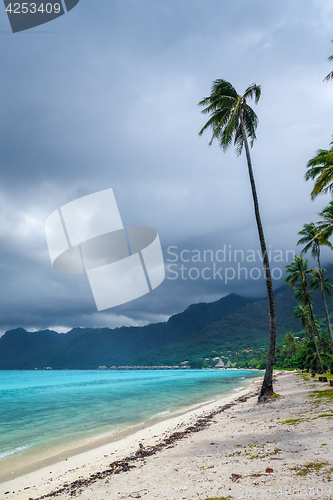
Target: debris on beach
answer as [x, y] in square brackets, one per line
[124, 465]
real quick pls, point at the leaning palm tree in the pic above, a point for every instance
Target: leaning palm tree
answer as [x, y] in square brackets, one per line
[320, 167]
[233, 120]
[298, 271]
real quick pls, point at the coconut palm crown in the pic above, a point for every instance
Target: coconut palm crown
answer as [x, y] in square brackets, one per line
[228, 110]
[320, 168]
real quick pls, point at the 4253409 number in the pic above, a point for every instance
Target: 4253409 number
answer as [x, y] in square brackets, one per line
[25, 8]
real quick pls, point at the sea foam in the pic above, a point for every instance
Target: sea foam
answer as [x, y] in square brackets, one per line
[16, 450]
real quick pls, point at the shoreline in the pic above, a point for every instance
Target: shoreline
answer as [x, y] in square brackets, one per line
[39, 459]
[123, 442]
[231, 448]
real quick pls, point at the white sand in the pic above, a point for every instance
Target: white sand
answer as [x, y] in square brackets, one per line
[227, 458]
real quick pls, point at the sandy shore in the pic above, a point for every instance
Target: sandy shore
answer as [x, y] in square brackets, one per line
[234, 447]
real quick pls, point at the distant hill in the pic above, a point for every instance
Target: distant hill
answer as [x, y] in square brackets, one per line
[90, 347]
[247, 328]
[229, 324]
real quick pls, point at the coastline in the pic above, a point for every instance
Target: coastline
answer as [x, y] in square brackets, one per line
[234, 447]
[19, 464]
[114, 446]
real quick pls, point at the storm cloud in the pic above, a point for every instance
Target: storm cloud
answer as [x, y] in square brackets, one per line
[106, 96]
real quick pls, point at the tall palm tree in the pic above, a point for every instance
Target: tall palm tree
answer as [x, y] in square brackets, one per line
[310, 236]
[233, 120]
[321, 283]
[320, 167]
[299, 269]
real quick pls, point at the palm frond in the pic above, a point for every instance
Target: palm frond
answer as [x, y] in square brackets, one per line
[324, 182]
[226, 108]
[320, 168]
[224, 88]
[251, 123]
[330, 75]
[239, 140]
[217, 121]
[325, 226]
[309, 235]
[253, 92]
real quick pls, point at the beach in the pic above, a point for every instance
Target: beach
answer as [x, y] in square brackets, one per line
[231, 447]
[48, 415]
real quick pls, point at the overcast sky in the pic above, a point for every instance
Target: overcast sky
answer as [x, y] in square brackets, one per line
[106, 96]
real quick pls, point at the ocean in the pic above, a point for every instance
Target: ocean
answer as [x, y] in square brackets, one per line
[45, 414]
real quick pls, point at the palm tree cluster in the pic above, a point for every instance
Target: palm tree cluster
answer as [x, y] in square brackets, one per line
[306, 281]
[232, 120]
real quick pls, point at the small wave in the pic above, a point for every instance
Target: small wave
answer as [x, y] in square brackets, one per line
[158, 414]
[106, 434]
[17, 450]
[239, 388]
[241, 378]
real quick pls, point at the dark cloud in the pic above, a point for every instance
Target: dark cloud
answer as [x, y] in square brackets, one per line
[109, 99]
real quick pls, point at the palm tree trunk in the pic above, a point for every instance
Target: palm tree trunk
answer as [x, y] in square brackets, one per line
[267, 385]
[313, 326]
[322, 346]
[328, 322]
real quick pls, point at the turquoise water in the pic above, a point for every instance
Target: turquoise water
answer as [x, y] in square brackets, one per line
[47, 412]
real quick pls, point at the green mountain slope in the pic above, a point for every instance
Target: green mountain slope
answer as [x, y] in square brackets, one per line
[91, 347]
[247, 328]
[232, 323]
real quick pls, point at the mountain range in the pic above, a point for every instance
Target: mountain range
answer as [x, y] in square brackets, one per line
[231, 323]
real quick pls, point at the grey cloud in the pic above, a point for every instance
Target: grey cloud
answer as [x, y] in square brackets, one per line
[110, 100]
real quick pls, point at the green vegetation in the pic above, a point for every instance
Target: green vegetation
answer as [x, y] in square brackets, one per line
[328, 393]
[292, 421]
[316, 354]
[303, 470]
[232, 328]
[219, 498]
